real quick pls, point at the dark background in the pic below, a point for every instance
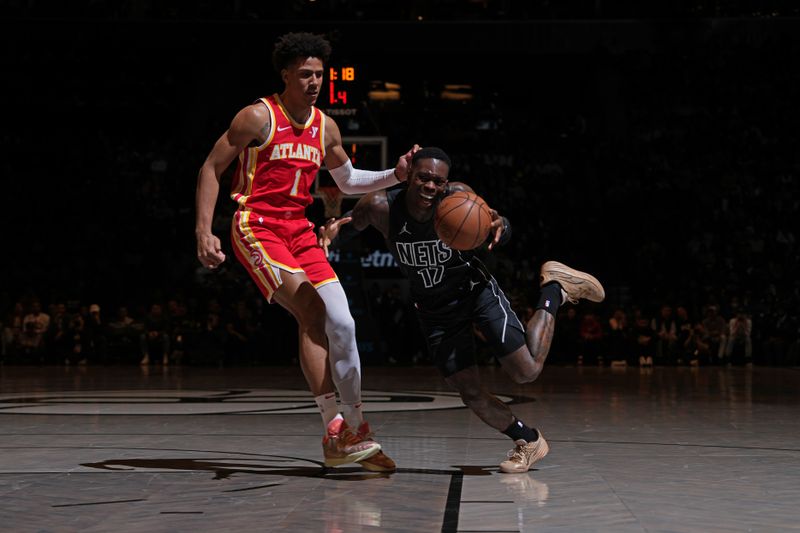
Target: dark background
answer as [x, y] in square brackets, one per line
[655, 146]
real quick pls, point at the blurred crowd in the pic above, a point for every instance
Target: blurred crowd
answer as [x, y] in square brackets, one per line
[247, 332]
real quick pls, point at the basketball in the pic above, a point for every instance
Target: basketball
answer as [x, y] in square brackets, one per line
[462, 220]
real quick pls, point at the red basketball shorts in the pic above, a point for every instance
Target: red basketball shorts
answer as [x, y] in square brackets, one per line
[267, 246]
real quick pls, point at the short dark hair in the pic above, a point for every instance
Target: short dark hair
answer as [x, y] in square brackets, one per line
[431, 152]
[292, 46]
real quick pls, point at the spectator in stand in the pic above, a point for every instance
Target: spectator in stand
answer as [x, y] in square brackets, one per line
[12, 332]
[156, 335]
[591, 333]
[34, 328]
[618, 336]
[740, 341]
[645, 340]
[777, 335]
[717, 329]
[59, 333]
[122, 335]
[697, 346]
[667, 334]
[683, 325]
[77, 341]
[182, 327]
[97, 336]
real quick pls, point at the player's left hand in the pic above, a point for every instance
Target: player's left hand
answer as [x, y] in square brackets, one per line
[404, 163]
[497, 228]
[329, 231]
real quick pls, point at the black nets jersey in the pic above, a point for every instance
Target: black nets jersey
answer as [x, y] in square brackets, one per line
[438, 275]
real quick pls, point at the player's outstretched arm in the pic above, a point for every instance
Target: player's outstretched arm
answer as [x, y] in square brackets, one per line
[250, 123]
[353, 180]
[371, 210]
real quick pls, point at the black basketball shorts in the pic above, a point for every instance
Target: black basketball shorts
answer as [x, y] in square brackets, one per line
[448, 329]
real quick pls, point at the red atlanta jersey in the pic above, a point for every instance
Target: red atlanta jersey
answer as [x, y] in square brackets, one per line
[274, 179]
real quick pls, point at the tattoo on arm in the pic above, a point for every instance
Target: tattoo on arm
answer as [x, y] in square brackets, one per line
[264, 131]
[262, 135]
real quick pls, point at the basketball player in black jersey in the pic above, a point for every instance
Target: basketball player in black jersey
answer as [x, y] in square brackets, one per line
[452, 289]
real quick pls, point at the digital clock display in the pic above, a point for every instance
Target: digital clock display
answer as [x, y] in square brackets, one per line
[339, 84]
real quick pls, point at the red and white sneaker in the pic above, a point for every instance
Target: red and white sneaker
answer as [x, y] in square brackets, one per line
[380, 462]
[341, 446]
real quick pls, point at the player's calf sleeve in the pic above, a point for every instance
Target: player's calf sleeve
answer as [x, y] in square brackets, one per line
[343, 350]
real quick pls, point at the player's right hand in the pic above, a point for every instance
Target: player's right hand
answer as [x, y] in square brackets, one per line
[404, 163]
[329, 231]
[209, 251]
[496, 229]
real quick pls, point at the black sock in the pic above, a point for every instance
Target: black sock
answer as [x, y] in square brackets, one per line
[519, 431]
[550, 298]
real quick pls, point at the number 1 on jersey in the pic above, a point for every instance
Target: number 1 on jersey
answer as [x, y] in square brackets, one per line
[296, 184]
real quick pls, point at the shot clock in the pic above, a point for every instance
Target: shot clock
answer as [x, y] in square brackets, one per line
[340, 82]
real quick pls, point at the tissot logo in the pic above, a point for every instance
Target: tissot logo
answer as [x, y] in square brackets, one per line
[220, 402]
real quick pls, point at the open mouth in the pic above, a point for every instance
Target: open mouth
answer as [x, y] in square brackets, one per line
[427, 199]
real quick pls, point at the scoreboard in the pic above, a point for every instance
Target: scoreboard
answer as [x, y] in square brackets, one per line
[340, 81]
[344, 92]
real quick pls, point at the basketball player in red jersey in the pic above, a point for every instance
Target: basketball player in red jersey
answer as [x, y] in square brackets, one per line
[452, 290]
[281, 141]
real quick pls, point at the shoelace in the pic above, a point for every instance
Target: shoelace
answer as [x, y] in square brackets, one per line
[352, 439]
[349, 437]
[516, 453]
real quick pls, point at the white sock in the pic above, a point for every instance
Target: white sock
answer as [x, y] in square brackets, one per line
[352, 415]
[327, 407]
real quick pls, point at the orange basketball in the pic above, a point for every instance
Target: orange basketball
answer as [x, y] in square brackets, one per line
[462, 220]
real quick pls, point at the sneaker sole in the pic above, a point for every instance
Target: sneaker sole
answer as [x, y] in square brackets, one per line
[354, 457]
[559, 271]
[375, 467]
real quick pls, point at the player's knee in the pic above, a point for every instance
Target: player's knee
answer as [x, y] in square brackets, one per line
[471, 396]
[526, 374]
[340, 326]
